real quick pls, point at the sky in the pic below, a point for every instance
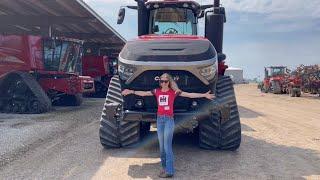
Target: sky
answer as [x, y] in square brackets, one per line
[258, 33]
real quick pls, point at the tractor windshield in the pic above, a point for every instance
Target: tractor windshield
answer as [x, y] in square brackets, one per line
[172, 21]
[63, 56]
[275, 71]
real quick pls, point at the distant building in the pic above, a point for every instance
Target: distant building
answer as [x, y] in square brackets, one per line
[236, 75]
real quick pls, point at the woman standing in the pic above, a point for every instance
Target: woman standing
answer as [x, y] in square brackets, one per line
[165, 96]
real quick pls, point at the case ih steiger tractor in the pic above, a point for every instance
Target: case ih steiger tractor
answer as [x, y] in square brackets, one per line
[279, 80]
[168, 42]
[37, 71]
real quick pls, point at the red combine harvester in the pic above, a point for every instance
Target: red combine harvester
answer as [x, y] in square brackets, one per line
[97, 64]
[36, 72]
[279, 80]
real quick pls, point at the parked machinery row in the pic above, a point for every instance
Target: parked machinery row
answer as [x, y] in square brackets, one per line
[310, 76]
[280, 80]
[36, 72]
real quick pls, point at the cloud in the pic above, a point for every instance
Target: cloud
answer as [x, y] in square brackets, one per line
[108, 10]
[278, 8]
[253, 56]
[119, 2]
[277, 15]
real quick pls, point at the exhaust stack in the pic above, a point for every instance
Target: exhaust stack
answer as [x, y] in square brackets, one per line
[214, 24]
[216, 3]
[142, 17]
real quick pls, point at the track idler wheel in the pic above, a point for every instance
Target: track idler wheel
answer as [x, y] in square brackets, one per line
[21, 93]
[34, 106]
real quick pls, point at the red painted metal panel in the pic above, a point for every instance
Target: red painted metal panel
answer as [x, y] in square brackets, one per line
[20, 53]
[68, 85]
[170, 36]
[95, 66]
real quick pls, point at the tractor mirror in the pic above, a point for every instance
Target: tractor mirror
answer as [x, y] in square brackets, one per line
[201, 15]
[121, 15]
[156, 28]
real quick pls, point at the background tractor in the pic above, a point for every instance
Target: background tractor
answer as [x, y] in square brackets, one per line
[280, 80]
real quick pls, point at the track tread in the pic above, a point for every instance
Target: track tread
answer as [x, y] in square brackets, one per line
[213, 134]
[115, 133]
[34, 89]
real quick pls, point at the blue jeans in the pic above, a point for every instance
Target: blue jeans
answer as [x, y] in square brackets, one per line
[165, 128]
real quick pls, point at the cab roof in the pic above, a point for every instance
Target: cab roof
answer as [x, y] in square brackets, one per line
[180, 3]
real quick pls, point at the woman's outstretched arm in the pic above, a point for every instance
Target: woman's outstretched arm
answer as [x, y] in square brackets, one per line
[207, 95]
[138, 93]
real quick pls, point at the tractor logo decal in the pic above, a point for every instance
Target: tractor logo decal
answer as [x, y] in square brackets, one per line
[175, 78]
[164, 100]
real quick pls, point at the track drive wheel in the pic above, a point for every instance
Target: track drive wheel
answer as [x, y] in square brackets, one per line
[18, 90]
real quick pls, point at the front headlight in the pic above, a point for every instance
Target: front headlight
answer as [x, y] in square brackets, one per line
[125, 71]
[208, 72]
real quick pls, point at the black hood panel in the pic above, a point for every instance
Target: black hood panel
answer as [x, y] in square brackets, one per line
[168, 50]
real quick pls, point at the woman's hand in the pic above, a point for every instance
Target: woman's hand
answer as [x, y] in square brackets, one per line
[127, 92]
[209, 96]
[178, 91]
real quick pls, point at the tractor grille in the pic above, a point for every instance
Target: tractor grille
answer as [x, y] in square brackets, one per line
[185, 80]
[147, 81]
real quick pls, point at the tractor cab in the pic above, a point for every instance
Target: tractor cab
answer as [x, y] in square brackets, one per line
[165, 17]
[274, 71]
[168, 18]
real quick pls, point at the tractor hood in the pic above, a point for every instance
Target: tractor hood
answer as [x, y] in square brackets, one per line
[168, 48]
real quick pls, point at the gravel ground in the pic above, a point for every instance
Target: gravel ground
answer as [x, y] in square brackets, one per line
[281, 140]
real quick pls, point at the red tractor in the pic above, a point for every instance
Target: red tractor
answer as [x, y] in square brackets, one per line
[36, 72]
[168, 42]
[279, 80]
[293, 84]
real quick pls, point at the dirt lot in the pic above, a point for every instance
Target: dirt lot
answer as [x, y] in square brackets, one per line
[281, 140]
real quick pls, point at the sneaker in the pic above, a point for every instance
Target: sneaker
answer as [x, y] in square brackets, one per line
[162, 171]
[165, 175]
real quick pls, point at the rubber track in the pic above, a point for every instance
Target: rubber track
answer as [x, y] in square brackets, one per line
[36, 89]
[115, 133]
[227, 135]
[276, 87]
